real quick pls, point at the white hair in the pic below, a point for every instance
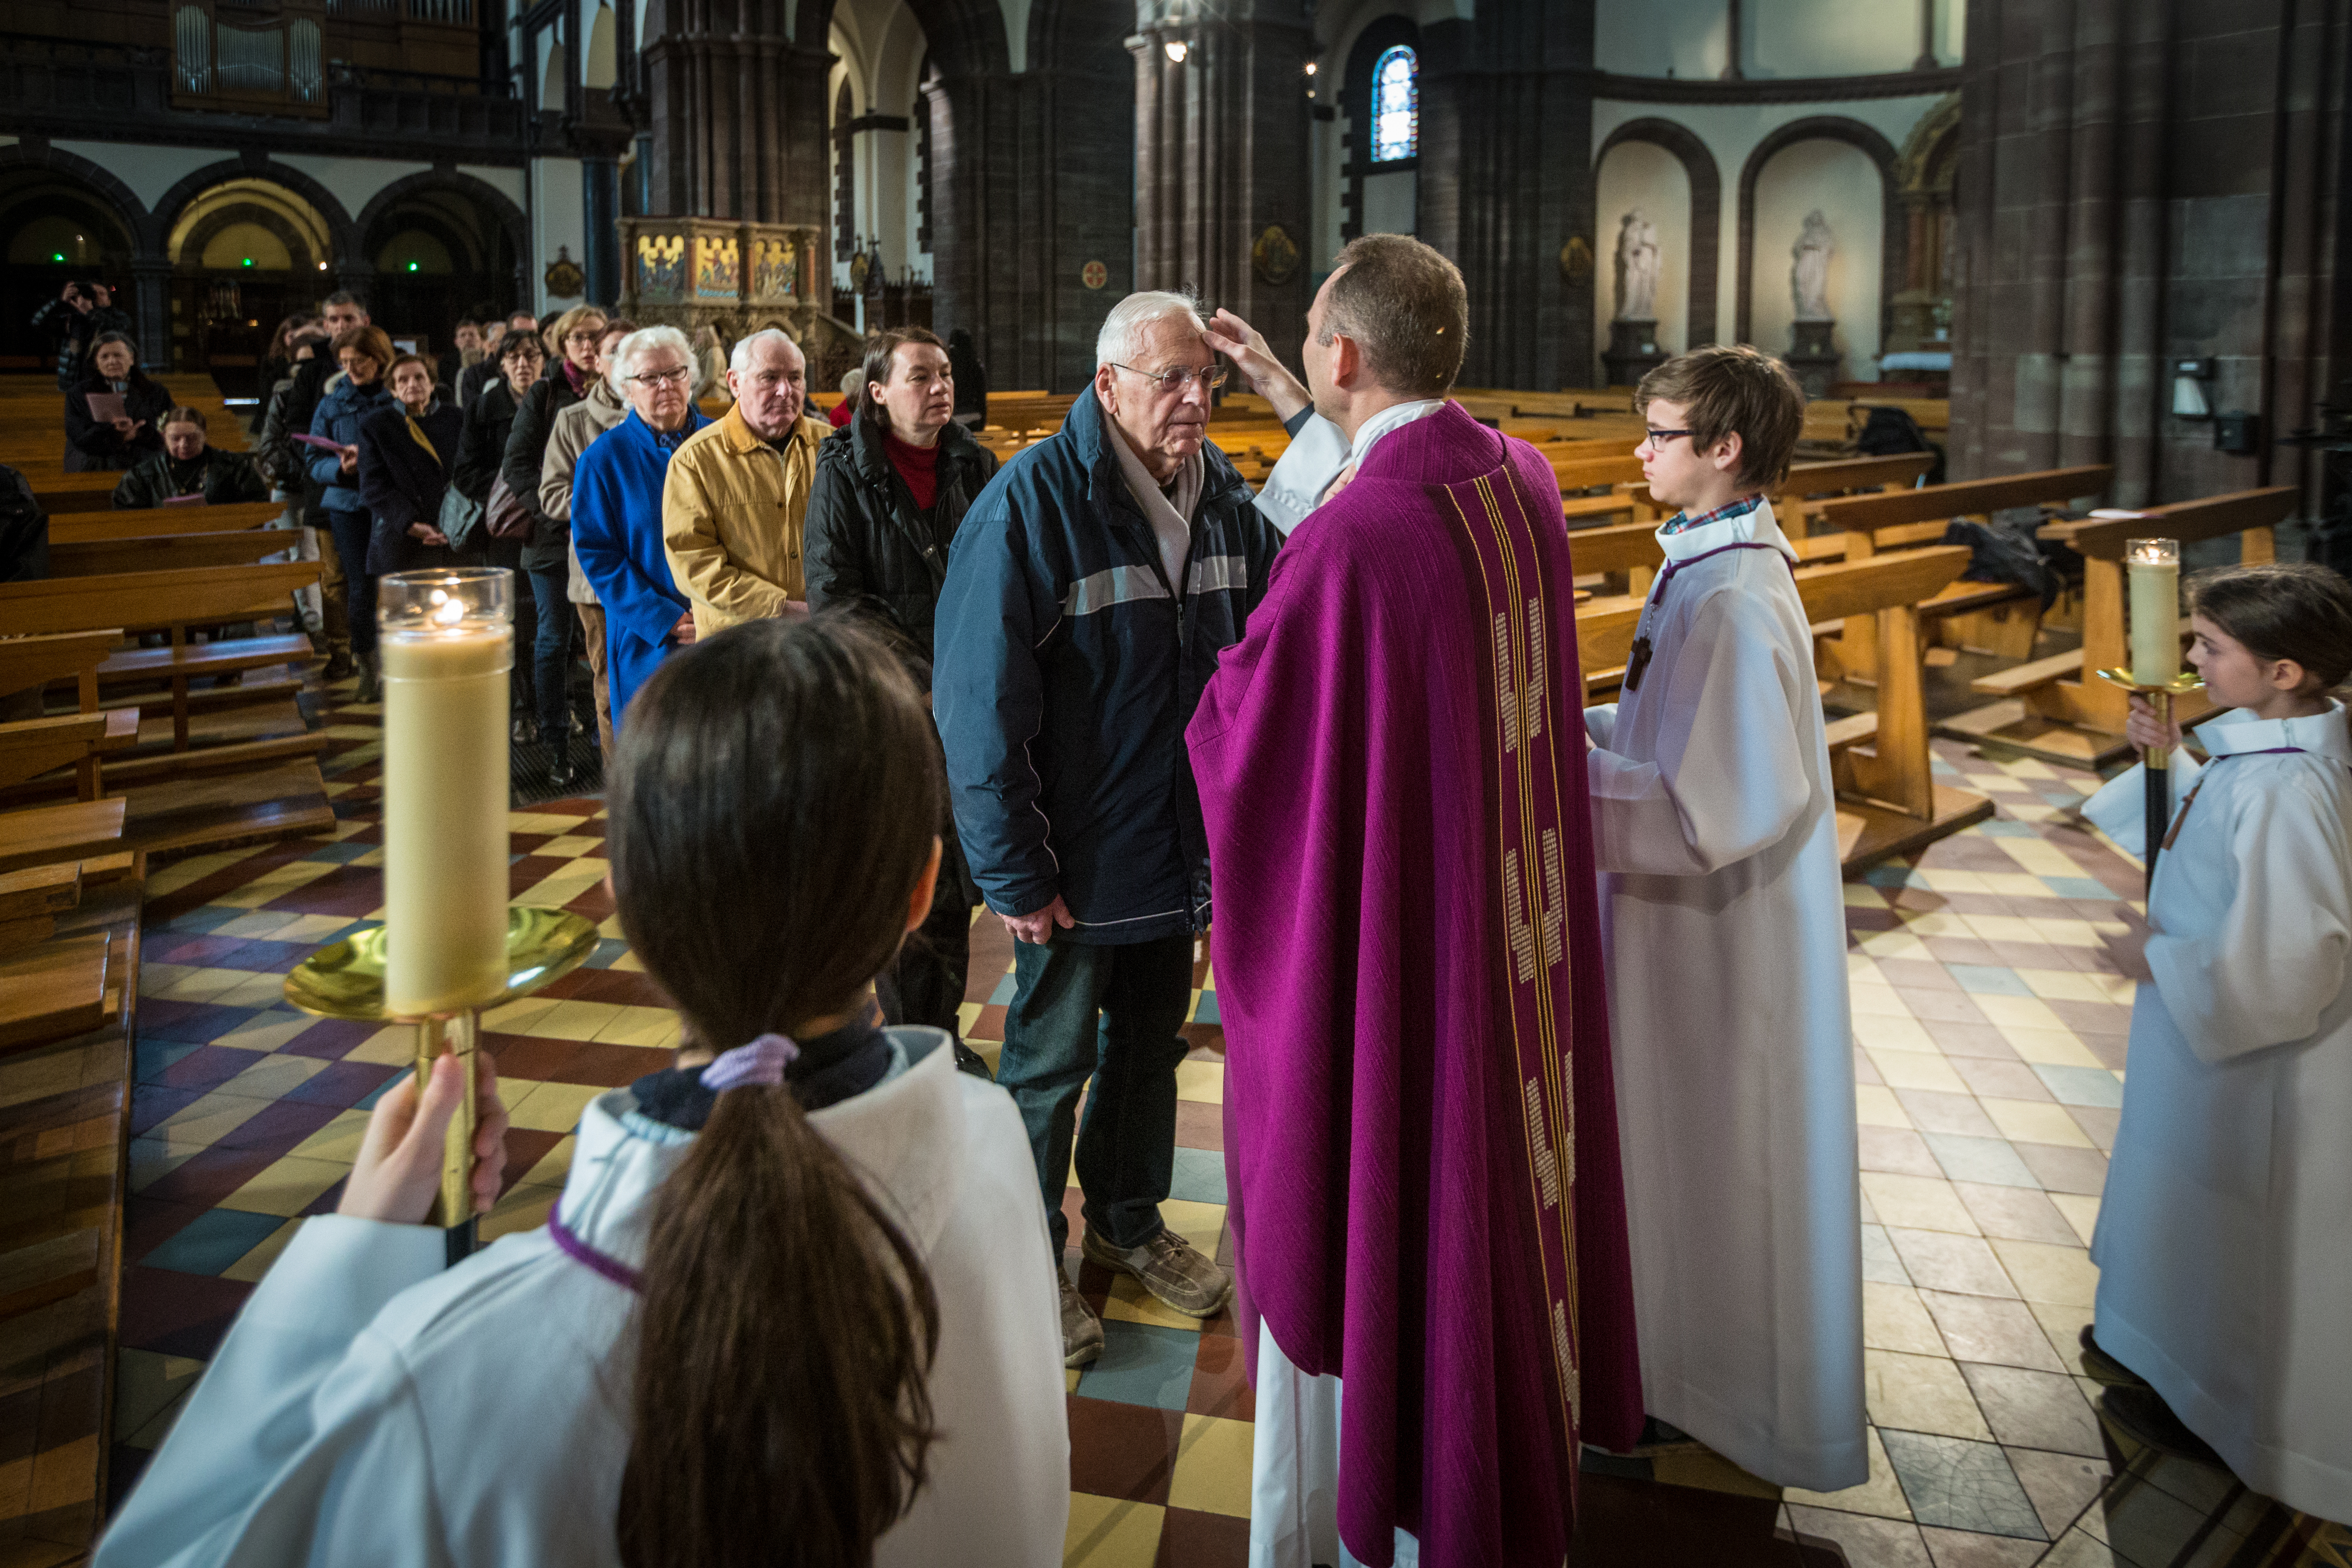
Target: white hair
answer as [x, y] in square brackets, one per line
[1121, 338]
[741, 361]
[637, 345]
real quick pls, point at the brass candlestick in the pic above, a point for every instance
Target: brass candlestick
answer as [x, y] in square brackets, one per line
[345, 980]
[2158, 804]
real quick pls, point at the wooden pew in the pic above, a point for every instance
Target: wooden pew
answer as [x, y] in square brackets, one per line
[1889, 800]
[165, 552]
[91, 527]
[2058, 708]
[1988, 615]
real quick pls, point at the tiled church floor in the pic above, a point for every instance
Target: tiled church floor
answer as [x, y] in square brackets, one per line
[1992, 988]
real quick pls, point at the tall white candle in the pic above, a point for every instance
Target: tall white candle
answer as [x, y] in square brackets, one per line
[446, 654]
[2154, 565]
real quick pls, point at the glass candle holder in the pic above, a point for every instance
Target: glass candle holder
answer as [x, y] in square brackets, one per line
[2153, 567]
[447, 648]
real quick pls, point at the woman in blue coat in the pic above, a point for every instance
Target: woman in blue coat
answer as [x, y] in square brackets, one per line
[616, 508]
[365, 354]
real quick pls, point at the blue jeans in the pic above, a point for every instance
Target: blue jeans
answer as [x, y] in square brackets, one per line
[550, 655]
[349, 530]
[1114, 1015]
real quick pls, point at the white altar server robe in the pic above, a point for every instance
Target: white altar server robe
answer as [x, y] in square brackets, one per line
[2224, 1242]
[369, 1410]
[1724, 920]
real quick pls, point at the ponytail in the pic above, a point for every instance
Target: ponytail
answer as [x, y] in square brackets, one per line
[786, 1333]
[774, 800]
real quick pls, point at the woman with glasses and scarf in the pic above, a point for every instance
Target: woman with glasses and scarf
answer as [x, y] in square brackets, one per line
[406, 453]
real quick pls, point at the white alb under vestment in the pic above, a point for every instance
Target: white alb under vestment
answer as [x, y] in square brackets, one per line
[1715, 825]
[2225, 1270]
[369, 1410]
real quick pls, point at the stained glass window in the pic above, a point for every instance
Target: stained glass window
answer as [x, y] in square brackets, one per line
[1396, 105]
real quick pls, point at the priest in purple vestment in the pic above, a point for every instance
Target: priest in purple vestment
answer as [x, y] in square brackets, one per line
[1421, 1138]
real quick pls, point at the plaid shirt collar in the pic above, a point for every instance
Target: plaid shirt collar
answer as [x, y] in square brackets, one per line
[1682, 521]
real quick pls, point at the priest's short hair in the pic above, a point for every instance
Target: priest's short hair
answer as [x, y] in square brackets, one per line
[1723, 388]
[1402, 304]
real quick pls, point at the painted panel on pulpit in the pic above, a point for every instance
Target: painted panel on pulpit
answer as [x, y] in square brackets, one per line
[661, 266]
[717, 269]
[775, 271]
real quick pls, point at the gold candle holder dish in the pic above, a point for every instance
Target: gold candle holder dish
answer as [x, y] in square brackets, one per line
[346, 980]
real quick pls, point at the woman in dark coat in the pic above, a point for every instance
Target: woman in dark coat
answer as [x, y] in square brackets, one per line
[406, 453]
[91, 445]
[891, 489]
[482, 450]
[543, 562]
[188, 468]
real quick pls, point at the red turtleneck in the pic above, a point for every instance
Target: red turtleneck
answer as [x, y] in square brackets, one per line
[918, 466]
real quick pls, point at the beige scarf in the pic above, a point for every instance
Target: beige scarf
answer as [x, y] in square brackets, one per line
[1171, 521]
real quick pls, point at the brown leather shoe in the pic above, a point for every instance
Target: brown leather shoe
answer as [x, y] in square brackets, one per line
[1082, 1331]
[1170, 1267]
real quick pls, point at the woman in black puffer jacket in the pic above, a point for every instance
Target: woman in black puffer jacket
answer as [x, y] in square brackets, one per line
[891, 489]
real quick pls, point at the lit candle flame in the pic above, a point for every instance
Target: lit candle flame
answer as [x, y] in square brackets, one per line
[446, 611]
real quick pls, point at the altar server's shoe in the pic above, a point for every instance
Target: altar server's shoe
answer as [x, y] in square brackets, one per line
[1082, 1331]
[2104, 1368]
[2141, 1415]
[1169, 1268]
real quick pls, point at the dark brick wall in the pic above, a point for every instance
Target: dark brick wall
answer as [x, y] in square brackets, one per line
[2140, 183]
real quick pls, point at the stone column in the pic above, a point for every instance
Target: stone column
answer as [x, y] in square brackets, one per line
[1221, 172]
[151, 309]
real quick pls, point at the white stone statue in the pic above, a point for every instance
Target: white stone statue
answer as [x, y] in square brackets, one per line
[1637, 269]
[1809, 272]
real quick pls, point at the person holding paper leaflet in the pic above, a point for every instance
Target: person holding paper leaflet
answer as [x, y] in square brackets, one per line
[111, 413]
[2225, 1286]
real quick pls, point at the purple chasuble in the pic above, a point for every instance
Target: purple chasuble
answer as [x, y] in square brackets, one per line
[1420, 1135]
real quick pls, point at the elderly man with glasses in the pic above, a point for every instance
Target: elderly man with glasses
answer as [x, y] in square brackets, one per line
[1088, 594]
[739, 493]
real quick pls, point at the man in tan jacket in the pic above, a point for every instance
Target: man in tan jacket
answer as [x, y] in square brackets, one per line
[738, 492]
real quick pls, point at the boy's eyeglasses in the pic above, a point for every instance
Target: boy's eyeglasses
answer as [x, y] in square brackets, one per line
[1658, 439]
[1173, 378]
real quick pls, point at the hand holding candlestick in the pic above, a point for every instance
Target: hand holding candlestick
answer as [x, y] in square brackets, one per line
[2154, 565]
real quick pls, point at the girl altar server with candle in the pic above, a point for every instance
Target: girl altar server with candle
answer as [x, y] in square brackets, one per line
[783, 1312]
[2225, 1280]
[1723, 917]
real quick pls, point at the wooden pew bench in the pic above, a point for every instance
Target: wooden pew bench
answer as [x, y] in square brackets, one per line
[2000, 618]
[177, 522]
[2058, 708]
[1889, 800]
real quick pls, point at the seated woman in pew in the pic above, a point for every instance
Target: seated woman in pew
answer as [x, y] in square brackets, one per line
[406, 453]
[787, 1310]
[189, 471]
[105, 437]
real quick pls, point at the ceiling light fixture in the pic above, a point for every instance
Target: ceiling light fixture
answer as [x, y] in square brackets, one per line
[1177, 49]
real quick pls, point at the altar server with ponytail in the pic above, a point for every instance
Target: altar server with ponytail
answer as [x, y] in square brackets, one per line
[2225, 1279]
[783, 1312]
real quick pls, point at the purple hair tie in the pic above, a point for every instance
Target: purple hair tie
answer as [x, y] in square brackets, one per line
[763, 1061]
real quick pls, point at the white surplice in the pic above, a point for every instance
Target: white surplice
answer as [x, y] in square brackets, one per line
[1724, 919]
[2224, 1242]
[369, 1410]
[1320, 454]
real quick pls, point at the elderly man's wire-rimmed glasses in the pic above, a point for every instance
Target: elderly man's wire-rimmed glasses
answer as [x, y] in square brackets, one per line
[1173, 378]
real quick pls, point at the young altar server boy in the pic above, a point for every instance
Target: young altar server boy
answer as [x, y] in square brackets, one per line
[2225, 1279]
[1724, 920]
[787, 1310]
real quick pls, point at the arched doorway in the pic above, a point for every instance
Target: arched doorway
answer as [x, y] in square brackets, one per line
[243, 253]
[59, 229]
[441, 251]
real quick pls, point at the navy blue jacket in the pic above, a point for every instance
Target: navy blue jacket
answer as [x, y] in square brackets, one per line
[338, 420]
[1066, 668]
[402, 483]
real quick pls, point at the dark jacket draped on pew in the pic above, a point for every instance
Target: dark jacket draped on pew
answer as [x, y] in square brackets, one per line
[222, 478]
[402, 483]
[93, 445]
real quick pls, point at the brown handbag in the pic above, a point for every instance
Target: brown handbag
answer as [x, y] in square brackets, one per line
[504, 514]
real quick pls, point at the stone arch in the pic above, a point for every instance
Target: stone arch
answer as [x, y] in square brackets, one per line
[1706, 214]
[965, 37]
[483, 194]
[119, 201]
[297, 244]
[1893, 250]
[342, 234]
